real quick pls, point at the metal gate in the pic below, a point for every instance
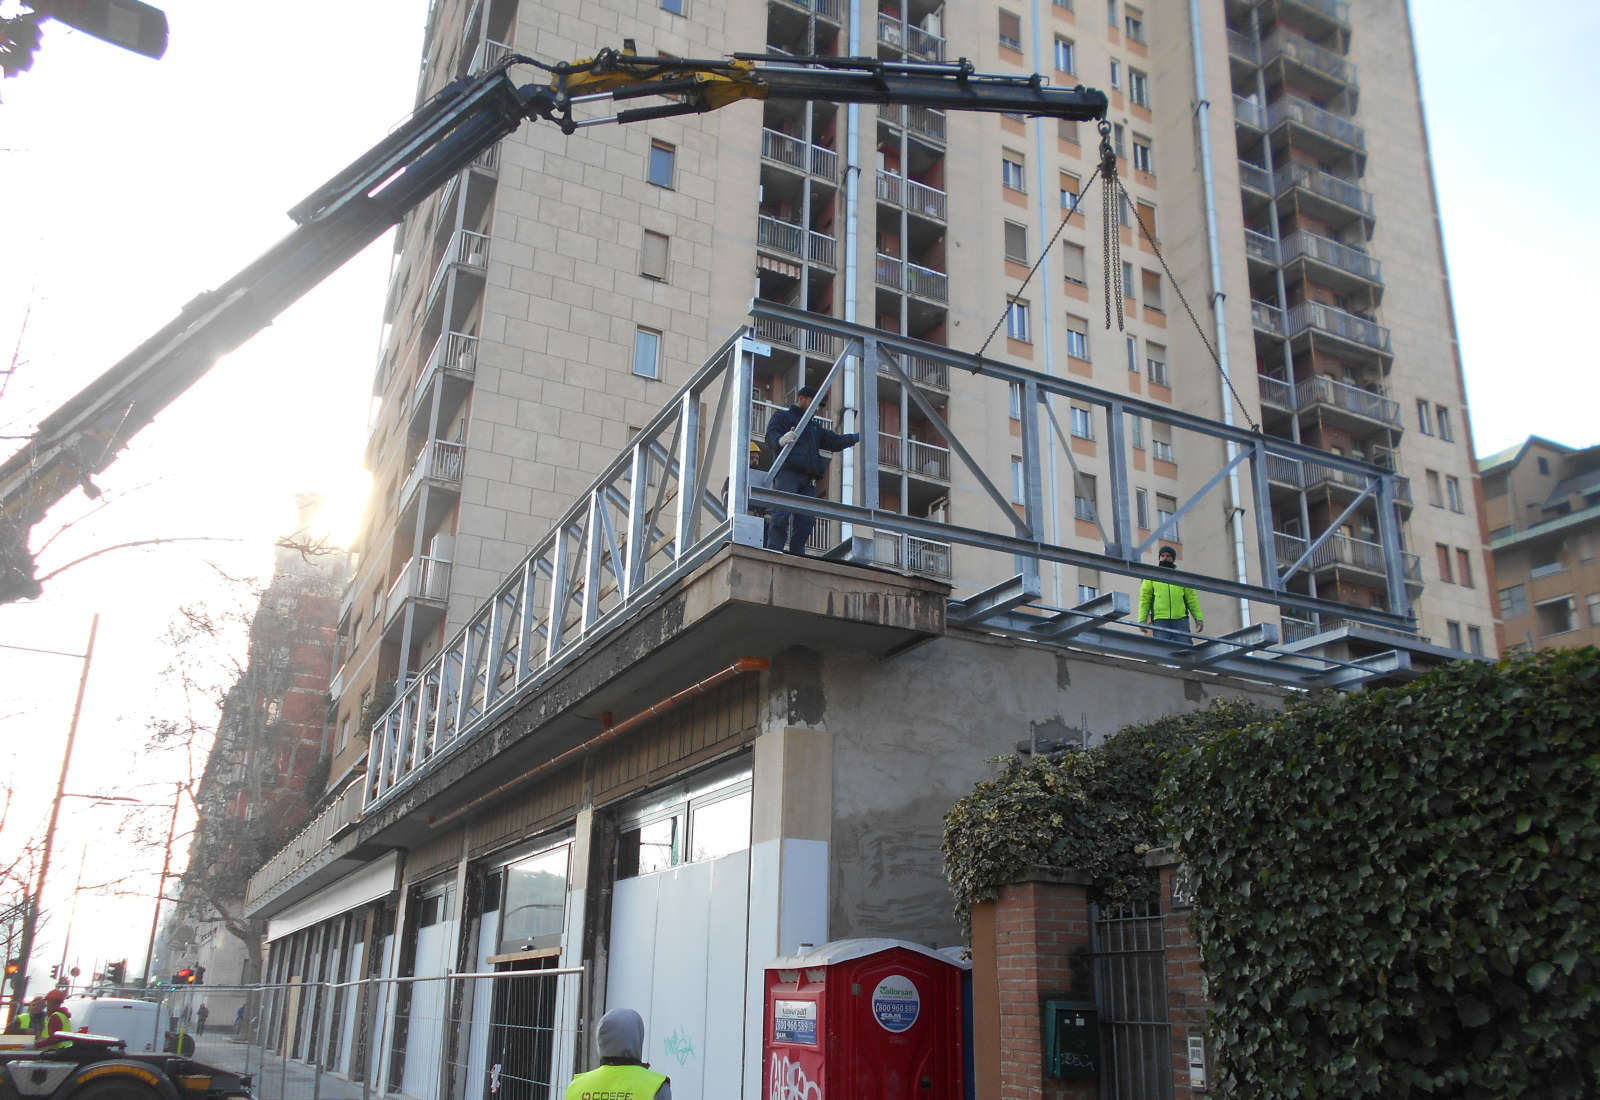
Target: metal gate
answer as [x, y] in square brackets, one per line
[1130, 993]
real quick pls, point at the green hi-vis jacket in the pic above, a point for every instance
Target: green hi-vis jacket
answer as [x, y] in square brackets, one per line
[1161, 600]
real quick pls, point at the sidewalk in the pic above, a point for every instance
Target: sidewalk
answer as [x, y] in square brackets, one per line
[270, 1082]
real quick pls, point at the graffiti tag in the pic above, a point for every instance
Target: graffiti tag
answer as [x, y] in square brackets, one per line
[678, 1046]
[788, 1081]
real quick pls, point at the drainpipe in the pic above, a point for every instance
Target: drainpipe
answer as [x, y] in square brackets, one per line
[1046, 314]
[1208, 183]
[852, 386]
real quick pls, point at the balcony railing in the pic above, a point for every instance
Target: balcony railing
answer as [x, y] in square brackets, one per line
[1260, 246]
[1266, 317]
[1249, 112]
[1345, 550]
[1322, 390]
[781, 236]
[828, 9]
[1336, 322]
[309, 842]
[913, 40]
[1332, 253]
[1293, 629]
[927, 121]
[1336, 10]
[925, 282]
[923, 557]
[916, 197]
[1327, 185]
[784, 149]
[1276, 392]
[761, 412]
[455, 352]
[891, 271]
[1255, 177]
[1310, 55]
[437, 461]
[824, 163]
[924, 372]
[820, 248]
[423, 579]
[488, 55]
[913, 456]
[798, 337]
[1243, 46]
[466, 248]
[1329, 125]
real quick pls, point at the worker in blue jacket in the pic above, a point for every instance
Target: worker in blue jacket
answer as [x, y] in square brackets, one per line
[801, 471]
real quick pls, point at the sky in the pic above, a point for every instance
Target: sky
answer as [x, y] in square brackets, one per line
[131, 185]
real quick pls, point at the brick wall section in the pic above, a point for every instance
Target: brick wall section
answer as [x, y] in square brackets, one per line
[1030, 945]
[1186, 989]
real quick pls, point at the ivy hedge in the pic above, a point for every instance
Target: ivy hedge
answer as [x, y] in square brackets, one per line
[1398, 890]
[1091, 811]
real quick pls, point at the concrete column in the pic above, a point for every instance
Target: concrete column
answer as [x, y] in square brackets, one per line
[588, 937]
[790, 826]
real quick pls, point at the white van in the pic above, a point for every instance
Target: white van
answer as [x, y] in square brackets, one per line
[137, 1023]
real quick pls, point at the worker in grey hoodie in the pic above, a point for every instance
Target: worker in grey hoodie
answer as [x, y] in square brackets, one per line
[622, 1074]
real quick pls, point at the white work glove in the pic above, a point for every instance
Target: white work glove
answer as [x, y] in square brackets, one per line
[787, 438]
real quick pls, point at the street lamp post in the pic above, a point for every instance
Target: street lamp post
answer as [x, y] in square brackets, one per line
[161, 885]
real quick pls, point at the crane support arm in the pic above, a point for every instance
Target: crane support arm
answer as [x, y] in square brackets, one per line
[442, 138]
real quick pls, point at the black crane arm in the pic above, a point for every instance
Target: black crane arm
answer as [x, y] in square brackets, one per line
[344, 215]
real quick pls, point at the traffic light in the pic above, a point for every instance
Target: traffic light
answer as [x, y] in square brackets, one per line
[116, 972]
[184, 977]
[13, 967]
[199, 975]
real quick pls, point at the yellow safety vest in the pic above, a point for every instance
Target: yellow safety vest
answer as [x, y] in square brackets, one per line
[63, 1025]
[616, 1083]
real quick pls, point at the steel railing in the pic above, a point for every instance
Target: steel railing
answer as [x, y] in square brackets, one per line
[821, 248]
[925, 282]
[309, 842]
[1249, 112]
[781, 236]
[1332, 253]
[1336, 10]
[783, 148]
[1308, 54]
[1308, 115]
[909, 38]
[924, 372]
[488, 54]
[454, 352]
[1266, 317]
[1321, 390]
[466, 249]
[927, 121]
[1255, 177]
[421, 578]
[1276, 392]
[439, 460]
[1336, 322]
[890, 272]
[824, 163]
[1260, 246]
[923, 557]
[1326, 185]
[1242, 45]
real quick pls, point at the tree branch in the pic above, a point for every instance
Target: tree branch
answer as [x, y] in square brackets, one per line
[130, 545]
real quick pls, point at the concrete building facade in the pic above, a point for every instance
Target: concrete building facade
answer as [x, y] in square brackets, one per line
[1542, 506]
[758, 755]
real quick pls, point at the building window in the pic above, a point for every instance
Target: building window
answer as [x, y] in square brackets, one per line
[1132, 343]
[1069, 190]
[1143, 159]
[1136, 433]
[653, 256]
[695, 824]
[673, 6]
[1011, 171]
[1017, 320]
[1016, 239]
[1087, 592]
[1452, 492]
[1116, 82]
[1077, 338]
[1155, 364]
[1064, 5]
[1086, 499]
[1544, 465]
[1161, 448]
[1513, 602]
[1133, 23]
[1016, 480]
[1424, 417]
[1010, 30]
[1442, 418]
[1127, 280]
[1072, 260]
[1111, 12]
[1016, 400]
[1082, 423]
[1463, 568]
[1139, 88]
[1141, 508]
[663, 159]
[533, 900]
[1557, 616]
[1454, 630]
[647, 353]
[1475, 641]
[1147, 221]
[1067, 130]
[1166, 508]
[1594, 608]
[1442, 552]
[1435, 493]
[1152, 289]
[1066, 62]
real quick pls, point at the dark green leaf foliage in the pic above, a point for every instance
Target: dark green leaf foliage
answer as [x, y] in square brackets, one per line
[1091, 812]
[1399, 889]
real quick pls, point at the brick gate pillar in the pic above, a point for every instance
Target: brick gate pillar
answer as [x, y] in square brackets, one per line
[1187, 999]
[1030, 945]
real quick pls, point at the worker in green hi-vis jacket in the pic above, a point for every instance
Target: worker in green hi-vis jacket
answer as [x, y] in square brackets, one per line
[1166, 608]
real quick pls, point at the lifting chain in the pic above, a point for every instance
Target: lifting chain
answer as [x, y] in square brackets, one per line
[1110, 225]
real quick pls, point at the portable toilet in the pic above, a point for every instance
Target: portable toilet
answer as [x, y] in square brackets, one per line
[865, 1017]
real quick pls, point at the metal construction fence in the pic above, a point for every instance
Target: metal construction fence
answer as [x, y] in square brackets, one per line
[506, 1035]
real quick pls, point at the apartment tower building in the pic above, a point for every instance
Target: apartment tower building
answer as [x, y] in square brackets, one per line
[549, 299]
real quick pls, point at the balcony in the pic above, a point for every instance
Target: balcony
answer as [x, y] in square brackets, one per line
[1266, 317]
[797, 337]
[923, 557]
[1276, 392]
[340, 683]
[1241, 47]
[452, 363]
[926, 122]
[1247, 112]
[1338, 130]
[1255, 177]
[890, 272]
[438, 466]
[761, 412]
[1335, 13]
[795, 241]
[908, 194]
[488, 54]
[1259, 246]
[1295, 630]
[1336, 323]
[1345, 552]
[1338, 72]
[915, 457]
[791, 152]
[311, 849]
[925, 282]
[423, 582]
[1333, 198]
[825, 9]
[896, 34]
[466, 252]
[1329, 393]
[486, 162]
[1342, 265]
